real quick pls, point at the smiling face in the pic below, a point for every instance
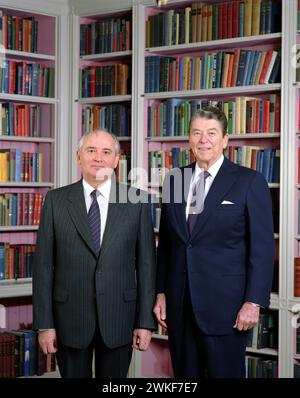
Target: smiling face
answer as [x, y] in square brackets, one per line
[97, 158]
[207, 141]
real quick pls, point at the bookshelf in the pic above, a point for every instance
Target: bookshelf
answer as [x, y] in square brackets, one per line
[102, 89]
[161, 136]
[33, 100]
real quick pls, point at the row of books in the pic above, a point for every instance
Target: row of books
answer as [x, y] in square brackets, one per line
[19, 166]
[106, 36]
[20, 119]
[259, 368]
[263, 160]
[19, 33]
[24, 78]
[265, 333]
[116, 118]
[204, 22]
[16, 261]
[212, 70]
[21, 356]
[245, 115]
[22, 208]
[161, 162]
[98, 81]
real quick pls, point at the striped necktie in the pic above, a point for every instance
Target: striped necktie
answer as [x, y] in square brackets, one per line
[95, 221]
[197, 200]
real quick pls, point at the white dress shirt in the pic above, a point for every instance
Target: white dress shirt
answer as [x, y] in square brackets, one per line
[103, 201]
[213, 170]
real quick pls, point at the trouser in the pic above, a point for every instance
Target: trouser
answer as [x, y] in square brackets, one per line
[195, 354]
[109, 362]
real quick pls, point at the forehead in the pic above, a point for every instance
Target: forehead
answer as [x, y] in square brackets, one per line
[205, 124]
[100, 140]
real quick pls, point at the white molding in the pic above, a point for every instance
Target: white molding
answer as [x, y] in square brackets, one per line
[287, 188]
[63, 138]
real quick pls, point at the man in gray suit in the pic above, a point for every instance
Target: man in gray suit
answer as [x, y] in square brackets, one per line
[94, 269]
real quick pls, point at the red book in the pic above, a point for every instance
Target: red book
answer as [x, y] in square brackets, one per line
[224, 22]
[235, 19]
[265, 66]
[220, 21]
[229, 20]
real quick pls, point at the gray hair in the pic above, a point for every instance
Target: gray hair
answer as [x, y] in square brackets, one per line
[211, 112]
[97, 131]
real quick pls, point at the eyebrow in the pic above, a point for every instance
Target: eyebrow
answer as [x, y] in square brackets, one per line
[102, 149]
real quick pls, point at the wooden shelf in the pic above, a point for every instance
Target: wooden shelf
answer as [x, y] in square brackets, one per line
[264, 351]
[219, 44]
[27, 55]
[159, 337]
[27, 98]
[17, 138]
[19, 228]
[239, 90]
[185, 138]
[104, 100]
[106, 56]
[26, 184]
[15, 287]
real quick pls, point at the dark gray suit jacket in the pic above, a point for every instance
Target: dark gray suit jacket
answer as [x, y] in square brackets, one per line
[72, 287]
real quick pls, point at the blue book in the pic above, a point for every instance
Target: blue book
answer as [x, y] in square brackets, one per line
[2, 261]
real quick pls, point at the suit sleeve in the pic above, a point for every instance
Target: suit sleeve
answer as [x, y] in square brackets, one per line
[261, 242]
[145, 270]
[43, 269]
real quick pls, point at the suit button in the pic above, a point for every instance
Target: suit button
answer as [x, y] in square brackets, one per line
[189, 246]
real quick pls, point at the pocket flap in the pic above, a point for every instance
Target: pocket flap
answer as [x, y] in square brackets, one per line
[60, 295]
[130, 295]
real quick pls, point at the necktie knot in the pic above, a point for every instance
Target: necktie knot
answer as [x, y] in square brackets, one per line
[94, 194]
[206, 174]
[197, 199]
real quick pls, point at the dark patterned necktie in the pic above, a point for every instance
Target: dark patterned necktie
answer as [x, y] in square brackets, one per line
[95, 221]
[197, 200]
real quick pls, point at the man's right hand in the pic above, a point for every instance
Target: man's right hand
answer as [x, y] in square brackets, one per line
[160, 309]
[47, 341]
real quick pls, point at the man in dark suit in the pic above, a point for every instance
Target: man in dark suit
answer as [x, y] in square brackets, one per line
[94, 270]
[215, 257]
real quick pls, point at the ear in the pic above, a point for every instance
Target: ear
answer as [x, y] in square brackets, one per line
[225, 140]
[116, 161]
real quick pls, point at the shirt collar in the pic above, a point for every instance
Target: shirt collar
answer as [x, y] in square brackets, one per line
[104, 189]
[213, 170]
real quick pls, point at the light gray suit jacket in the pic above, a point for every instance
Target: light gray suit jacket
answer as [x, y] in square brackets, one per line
[72, 287]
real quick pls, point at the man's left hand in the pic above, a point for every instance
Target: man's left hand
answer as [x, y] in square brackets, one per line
[247, 317]
[141, 339]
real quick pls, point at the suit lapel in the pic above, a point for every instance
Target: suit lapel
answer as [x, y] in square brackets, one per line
[222, 183]
[114, 215]
[180, 208]
[78, 214]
